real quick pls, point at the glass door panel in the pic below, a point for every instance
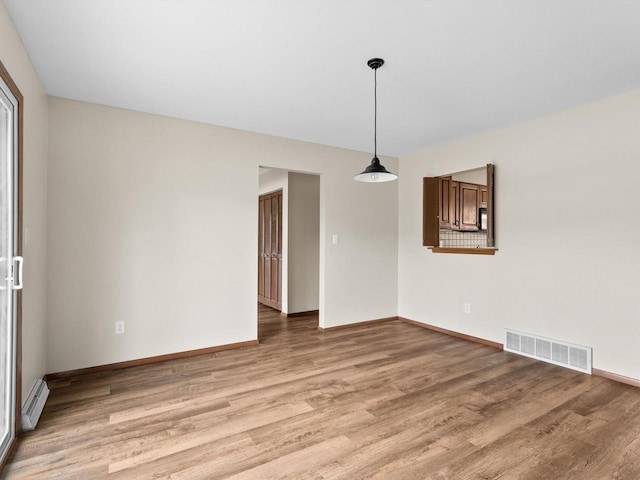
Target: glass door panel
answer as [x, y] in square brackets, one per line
[8, 135]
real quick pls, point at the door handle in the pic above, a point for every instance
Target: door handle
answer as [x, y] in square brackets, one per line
[19, 261]
[11, 273]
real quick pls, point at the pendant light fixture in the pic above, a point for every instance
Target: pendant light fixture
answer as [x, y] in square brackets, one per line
[376, 171]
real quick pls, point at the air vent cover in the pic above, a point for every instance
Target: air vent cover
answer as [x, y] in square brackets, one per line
[575, 357]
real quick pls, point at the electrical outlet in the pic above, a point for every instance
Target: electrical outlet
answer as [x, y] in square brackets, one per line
[467, 308]
[119, 328]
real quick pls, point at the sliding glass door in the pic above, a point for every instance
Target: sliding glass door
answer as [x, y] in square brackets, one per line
[10, 267]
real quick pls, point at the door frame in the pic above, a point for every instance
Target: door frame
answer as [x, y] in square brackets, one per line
[273, 187]
[18, 207]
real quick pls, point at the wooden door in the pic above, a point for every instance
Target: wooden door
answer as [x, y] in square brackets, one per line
[270, 250]
[430, 211]
[444, 195]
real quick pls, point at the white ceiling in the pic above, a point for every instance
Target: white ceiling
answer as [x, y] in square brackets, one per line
[297, 68]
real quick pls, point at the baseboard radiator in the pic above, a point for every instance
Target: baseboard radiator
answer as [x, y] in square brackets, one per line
[35, 404]
[569, 355]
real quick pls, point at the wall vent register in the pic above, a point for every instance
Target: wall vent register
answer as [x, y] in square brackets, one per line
[569, 355]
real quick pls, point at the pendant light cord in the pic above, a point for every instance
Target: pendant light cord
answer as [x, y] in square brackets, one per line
[375, 112]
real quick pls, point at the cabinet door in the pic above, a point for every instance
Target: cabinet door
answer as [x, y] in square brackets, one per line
[484, 195]
[469, 205]
[454, 205]
[430, 209]
[444, 196]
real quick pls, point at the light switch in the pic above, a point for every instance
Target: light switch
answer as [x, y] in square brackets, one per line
[336, 240]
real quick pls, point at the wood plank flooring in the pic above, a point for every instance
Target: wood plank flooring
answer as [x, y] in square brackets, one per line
[389, 401]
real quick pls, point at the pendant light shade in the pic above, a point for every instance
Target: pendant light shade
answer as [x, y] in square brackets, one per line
[376, 171]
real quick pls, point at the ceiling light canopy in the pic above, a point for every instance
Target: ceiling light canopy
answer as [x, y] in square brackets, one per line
[375, 172]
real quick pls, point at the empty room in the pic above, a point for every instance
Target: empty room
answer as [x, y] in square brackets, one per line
[319, 240]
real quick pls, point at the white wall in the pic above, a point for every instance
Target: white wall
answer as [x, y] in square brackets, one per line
[477, 176]
[567, 231]
[16, 60]
[271, 180]
[304, 242]
[152, 220]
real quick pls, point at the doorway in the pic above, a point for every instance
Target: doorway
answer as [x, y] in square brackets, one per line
[10, 261]
[295, 210]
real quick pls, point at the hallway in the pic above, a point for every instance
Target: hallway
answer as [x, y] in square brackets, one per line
[275, 328]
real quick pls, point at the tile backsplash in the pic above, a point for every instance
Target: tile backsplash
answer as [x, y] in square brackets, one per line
[455, 239]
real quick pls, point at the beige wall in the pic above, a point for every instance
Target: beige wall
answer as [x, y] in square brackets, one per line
[16, 60]
[152, 220]
[567, 267]
[304, 242]
[272, 179]
[478, 176]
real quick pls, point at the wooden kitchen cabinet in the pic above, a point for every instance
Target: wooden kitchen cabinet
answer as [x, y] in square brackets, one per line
[459, 203]
[469, 204]
[484, 196]
[450, 204]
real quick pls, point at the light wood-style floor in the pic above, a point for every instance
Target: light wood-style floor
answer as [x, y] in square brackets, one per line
[388, 401]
